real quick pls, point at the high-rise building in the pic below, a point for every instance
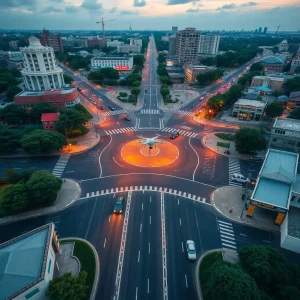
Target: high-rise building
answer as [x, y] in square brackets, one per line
[209, 44]
[40, 69]
[260, 30]
[265, 30]
[187, 45]
[174, 29]
[296, 62]
[172, 45]
[51, 40]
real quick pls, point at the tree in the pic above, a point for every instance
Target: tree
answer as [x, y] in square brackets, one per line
[164, 90]
[14, 176]
[292, 85]
[136, 83]
[68, 79]
[123, 95]
[131, 78]
[13, 114]
[96, 76]
[234, 93]
[249, 140]
[69, 121]
[208, 61]
[38, 109]
[9, 139]
[42, 141]
[162, 72]
[295, 114]
[12, 92]
[135, 91]
[161, 58]
[164, 79]
[139, 60]
[274, 109]
[216, 103]
[209, 77]
[42, 187]
[256, 67]
[68, 287]
[110, 73]
[14, 199]
[227, 281]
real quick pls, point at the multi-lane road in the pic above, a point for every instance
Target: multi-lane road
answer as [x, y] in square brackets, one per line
[142, 252]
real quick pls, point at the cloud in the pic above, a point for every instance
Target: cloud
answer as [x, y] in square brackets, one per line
[139, 3]
[227, 7]
[112, 10]
[51, 9]
[251, 3]
[176, 2]
[127, 12]
[71, 9]
[193, 10]
[91, 5]
[57, 1]
[17, 3]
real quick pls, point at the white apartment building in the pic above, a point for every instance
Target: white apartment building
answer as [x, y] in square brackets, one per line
[40, 69]
[209, 44]
[118, 63]
[114, 43]
[126, 48]
[137, 42]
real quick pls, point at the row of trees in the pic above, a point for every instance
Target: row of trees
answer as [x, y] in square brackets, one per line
[75, 62]
[105, 75]
[9, 80]
[164, 90]
[263, 274]
[209, 77]
[28, 190]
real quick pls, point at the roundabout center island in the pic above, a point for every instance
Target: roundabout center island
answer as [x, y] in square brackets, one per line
[141, 155]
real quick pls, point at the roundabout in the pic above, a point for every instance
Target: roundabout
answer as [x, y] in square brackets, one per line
[138, 155]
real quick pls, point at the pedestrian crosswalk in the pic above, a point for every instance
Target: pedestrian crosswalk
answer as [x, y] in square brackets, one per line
[234, 167]
[150, 111]
[181, 132]
[60, 165]
[120, 130]
[227, 235]
[115, 112]
[146, 188]
[184, 112]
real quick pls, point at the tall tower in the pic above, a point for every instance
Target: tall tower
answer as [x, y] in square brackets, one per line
[130, 28]
[40, 69]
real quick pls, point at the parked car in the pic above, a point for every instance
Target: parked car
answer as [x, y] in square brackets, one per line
[191, 250]
[257, 158]
[174, 135]
[111, 108]
[118, 208]
[239, 178]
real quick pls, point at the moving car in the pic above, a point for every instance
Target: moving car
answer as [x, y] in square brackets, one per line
[110, 107]
[239, 178]
[118, 208]
[174, 135]
[127, 118]
[191, 250]
[257, 158]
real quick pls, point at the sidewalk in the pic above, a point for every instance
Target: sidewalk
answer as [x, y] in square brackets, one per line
[68, 194]
[112, 95]
[226, 198]
[210, 142]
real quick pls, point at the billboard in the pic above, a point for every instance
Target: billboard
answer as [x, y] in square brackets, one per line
[122, 68]
[170, 63]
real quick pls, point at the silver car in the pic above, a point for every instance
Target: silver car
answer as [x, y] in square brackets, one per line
[191, 250]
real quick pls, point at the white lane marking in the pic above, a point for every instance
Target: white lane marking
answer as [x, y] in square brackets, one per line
[227, 241]
[136, 292]
[109, 218]
[266, 241]
[224, 222]
[142, 206]
[148, 286]
[243, 234]
[139, 256]
[178, 201]
[164, 248]
[150, 219]
[117, 163]
[104, 243]
[197, 159]
[182, 247]
[101, 155]
[227, 237]
[149, 248]
[180, 221]
[186, 283]
[230, 246]
[141, 227]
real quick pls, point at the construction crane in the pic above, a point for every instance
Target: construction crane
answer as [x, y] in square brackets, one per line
[277, 29]
[103, 23]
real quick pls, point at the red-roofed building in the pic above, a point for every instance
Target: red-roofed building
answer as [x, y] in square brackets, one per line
[49, 119]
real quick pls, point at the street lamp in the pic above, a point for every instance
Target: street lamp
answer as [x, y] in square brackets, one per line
[70, 146]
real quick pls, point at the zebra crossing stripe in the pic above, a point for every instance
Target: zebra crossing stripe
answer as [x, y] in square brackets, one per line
[230, 246]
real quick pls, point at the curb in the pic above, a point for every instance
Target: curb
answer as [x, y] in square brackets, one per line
[197, 271]
[16, 219]
[97, 271]
[212, 201]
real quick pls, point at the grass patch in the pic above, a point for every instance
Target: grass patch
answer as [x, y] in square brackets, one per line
[206, 264]
[87, 260]
[225, 136]
[221, 144]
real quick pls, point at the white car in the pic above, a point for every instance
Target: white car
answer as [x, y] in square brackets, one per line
[191, 250]
[239, 178]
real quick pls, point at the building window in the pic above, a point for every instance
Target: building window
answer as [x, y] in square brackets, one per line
[50, 261]
[293, 198]
[32, 293]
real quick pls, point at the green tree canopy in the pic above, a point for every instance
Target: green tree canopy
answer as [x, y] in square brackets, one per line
[42, 141]
[40, 108]
[256, 67]
[68, 79]
[9, 139]
[123, 95]
[110, 73]
[234, 93]
[292, 85]
[14, 199]
[164, 90]
[164, 79]
[216, 103]
[161, 58]
[139, 60]
[96, 76]
[228, 282]
[131, 78]
[295, 114]
[249, 140]
[209, 77]
[274, 110]
[136, 83]
[135, 91]
[12, 91]
[43, 187]
[68, 287]
[247, 77]
[13, 114]
[162, 72]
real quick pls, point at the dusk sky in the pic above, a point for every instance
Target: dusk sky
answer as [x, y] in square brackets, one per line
[150, 14]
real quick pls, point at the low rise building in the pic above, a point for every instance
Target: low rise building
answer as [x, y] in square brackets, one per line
[273, 83]
[126, 48]
[285, 135]
[114, 43]
[293, 101]
[191, 72]
[118, 63]
[245, 109]
[28, 264]
[136, 42]
[272, 63]
[286, 56]
[176, 77]
[260, 90]
[48, 120]
[16, 63]
[209, 44]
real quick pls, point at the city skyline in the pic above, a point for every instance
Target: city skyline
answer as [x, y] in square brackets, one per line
[204, 15]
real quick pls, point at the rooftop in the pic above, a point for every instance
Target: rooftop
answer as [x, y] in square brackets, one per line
[199, 67]
[269, 77]
[248, 102]
[50, 117]
[16, 59]
[176, 75]
[111, 58]
[294, 222]
[272, 60]
[262, 88]
[47, 92]
[285, 123]
[22, 260]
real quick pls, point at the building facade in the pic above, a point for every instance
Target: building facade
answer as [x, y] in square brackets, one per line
[114, 43]
[51, 40]
[40, 69]
[118, 63]
[174, 29]
[273, 83]
[172, 45]
[14, 44]
[191, 72]
[272, 63]
[187, 45]
[48, 120]
[209, 44]
[296, 62]
[283, 46]
[126, 48]
[245, 109]
[136, 42]
[16, 63]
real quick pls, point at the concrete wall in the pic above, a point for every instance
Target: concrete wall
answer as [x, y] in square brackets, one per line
[286, 241]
